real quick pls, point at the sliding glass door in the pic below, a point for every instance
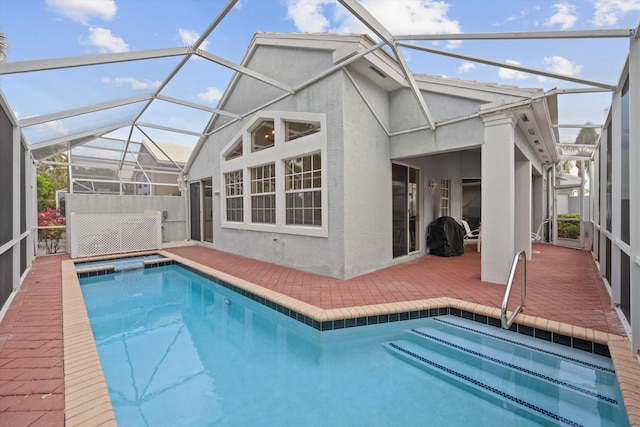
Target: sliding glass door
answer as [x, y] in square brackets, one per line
[194, 198]
[406, 209]
[207, 211]
[201, 207]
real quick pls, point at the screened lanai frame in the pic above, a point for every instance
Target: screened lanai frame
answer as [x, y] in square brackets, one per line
[16, 235]
[127, 121]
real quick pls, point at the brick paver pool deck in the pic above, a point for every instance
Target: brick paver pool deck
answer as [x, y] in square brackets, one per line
[563, 289]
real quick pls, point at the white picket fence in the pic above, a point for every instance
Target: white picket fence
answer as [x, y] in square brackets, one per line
[102, 234]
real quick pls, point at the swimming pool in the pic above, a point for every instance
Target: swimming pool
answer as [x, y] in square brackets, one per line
[177, 349]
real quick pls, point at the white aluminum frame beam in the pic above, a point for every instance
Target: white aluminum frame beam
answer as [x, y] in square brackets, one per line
[112, 181]
[166, 128]
[158, 147]
[525, 35]
[243, 70]
[60, 115]
[94, 132]
[87, 60]
[571, 126]
[97, 165]
[509, 66]
[338, 66]
[576, 145]
[374, 25]
[569, 91]
[225, 10]
[197, 106]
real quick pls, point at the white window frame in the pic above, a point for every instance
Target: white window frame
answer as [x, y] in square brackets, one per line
[302, 190]
[232, 187]
[281, 151]
[262, 182]
[445, 197]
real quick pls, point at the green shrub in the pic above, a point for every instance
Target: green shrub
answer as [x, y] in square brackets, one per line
[569, 229]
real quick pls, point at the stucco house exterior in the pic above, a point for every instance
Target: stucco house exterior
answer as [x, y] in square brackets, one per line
[341, 175]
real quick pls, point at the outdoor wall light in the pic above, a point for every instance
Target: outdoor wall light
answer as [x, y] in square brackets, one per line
[432, 185]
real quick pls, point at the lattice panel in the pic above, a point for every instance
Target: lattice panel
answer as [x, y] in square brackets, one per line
[101, 234]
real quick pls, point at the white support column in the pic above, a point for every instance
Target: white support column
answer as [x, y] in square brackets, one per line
[158, 229]
[498, 197]
[32, 207]
[634, 190]
[602, 214]
[72, 233]
[522, 220]
[15, 201]
[615, 145]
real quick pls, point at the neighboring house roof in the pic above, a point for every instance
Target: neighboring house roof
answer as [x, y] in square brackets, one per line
[177, 152]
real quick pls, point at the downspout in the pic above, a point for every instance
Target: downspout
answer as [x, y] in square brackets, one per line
[182, 184]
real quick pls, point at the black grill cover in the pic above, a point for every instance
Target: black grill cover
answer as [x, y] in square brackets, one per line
[445, 237]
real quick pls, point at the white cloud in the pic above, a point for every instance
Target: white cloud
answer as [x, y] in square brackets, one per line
[105, 41]
[561, 65]
[398, 17]
[83, 10]
[133, 82]
[307, 15]
[508, 74]
[189, 37]
[565, 16]
[55, 126]
[608, 12]
[212, 94]
[466, 67]
[522, 14]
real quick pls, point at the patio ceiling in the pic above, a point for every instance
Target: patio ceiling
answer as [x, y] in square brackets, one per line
[108, 132]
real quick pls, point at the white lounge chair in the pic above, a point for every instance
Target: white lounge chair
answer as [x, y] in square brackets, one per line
[471, 236]
[538, 235]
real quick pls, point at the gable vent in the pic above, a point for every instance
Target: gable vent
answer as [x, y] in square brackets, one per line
[378, 72]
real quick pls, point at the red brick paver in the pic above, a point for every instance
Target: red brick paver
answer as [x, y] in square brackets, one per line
[31, 365]
[563, 285]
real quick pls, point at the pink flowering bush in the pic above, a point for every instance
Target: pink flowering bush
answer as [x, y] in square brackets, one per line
[51, 236]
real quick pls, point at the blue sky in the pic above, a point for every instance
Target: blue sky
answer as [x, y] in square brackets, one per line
[38, 29]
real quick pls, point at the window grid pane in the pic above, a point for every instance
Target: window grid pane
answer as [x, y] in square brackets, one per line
[303, 178]
[236, 152]
[263, 136]
[295, 130]
[444, 197]
[263, 198]
[233, 192]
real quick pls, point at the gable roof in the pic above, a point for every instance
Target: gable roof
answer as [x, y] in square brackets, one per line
[160, 150]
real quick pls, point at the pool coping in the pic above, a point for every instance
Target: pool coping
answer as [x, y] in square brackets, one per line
[87, 399]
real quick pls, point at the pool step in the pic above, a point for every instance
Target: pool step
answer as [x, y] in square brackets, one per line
[525, 355]
[524, 384]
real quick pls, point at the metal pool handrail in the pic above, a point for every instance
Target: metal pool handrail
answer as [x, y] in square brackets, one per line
[506, 323]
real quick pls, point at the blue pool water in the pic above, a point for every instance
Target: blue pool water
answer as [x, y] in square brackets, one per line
[177, 349]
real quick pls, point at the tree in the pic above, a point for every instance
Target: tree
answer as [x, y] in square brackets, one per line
[56, 174]
[586, 136]
[4, 46]
[46, 194]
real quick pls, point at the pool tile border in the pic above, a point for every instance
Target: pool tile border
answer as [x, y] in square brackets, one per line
[81, 412]
[86, 398]
[331, 319]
